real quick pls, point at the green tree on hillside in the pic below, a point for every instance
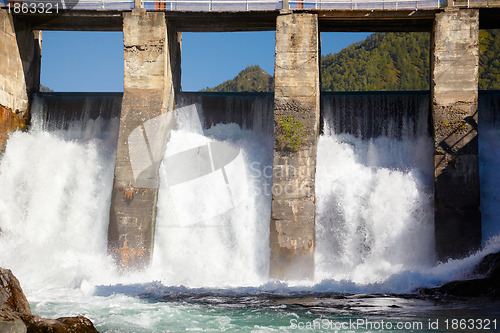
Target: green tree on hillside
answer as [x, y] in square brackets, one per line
[489, 59]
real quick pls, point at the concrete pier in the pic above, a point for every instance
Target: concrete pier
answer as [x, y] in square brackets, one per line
[296, 129]
[151, 51]
[20, 52]
[454, 90]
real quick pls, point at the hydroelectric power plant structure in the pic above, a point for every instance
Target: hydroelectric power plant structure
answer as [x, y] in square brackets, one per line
[152, 38]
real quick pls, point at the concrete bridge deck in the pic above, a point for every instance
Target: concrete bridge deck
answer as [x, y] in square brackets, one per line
[342, 20]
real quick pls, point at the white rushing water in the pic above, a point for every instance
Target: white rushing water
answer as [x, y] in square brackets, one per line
[212, 228]
[57, 187]
[374, 189]
[375, 214]
[54, 204]
[374, 227]
[374, 222]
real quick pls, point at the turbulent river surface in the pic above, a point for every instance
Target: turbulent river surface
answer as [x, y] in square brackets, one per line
[209, 272]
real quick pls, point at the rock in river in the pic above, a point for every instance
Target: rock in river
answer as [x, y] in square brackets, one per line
[16, 316]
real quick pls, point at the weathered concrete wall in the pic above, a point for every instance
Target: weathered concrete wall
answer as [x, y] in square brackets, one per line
[149, 94]
[296, 104]
[454, 83]
[20, 51]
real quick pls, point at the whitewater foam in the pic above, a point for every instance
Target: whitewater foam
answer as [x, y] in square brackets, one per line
[212, 229]
[56, 195]
[374, 214]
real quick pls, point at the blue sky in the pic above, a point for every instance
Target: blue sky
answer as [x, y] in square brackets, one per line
[93, 61]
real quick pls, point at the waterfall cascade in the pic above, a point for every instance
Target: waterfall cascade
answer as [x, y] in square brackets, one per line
[374, 199]
[489, 159]
[77, 116]
[56, 182]
[213, 210]
[374, 188]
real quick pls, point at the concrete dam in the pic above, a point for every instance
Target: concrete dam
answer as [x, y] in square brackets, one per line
[389, 130]
[309, 167]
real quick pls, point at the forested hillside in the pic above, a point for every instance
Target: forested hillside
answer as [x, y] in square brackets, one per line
[384, 61]
[252, 78]
[45, 89]
[489, 62]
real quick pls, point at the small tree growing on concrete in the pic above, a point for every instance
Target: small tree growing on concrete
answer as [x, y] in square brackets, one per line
[289, 133]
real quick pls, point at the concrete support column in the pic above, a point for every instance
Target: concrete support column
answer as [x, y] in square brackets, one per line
[454, 86]
[20, 52]
[296, 129]
[150, 84]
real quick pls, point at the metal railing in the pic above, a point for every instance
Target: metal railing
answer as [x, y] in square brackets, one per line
[475, 3]
[212, 5]
[364, 4]
[249, 5]
[28, 6]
